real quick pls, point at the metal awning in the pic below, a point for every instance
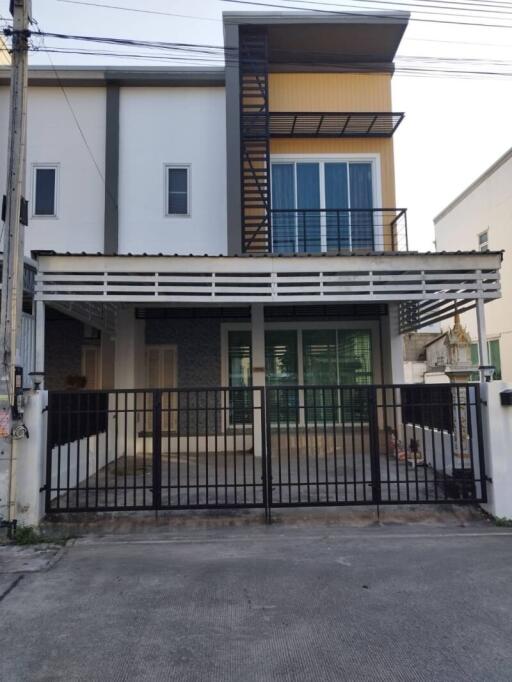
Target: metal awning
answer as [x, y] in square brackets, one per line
[329, 124]
[429, 287]
[307, 124]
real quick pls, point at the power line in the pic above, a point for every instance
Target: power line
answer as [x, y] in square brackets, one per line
[444, 9]
[450, 10]
[340, 12]
[211, 19]
[413, 67]
[140, 11]
[218, 51]
[75, 118]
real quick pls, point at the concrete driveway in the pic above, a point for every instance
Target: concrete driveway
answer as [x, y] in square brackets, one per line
[277, 603]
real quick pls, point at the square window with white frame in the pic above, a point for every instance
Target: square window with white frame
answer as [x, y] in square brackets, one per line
[177, 190]
[44, 190]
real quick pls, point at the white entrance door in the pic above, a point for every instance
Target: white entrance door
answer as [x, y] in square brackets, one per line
[161, 372]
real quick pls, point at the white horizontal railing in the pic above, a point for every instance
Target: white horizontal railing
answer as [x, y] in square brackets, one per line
[193, 287]
[429, 287]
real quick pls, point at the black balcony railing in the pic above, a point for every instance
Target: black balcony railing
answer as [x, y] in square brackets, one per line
[342, 229]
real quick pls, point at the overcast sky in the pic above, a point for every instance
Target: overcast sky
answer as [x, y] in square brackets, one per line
[454, 127]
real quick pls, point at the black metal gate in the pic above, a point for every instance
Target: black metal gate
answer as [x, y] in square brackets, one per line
[282, 446]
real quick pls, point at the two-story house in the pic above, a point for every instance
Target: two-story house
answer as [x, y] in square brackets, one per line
[219, 233]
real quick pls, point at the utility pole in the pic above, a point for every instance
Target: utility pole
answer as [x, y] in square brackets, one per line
[13, 255]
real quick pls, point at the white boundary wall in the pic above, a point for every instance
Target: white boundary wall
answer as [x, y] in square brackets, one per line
[497, 426]
[29, 454]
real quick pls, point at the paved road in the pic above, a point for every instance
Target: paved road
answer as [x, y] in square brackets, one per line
[273, 603]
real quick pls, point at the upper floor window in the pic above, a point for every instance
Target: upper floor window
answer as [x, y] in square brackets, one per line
[322, 206]
[483, 241]
[44, 199]
[177, 190]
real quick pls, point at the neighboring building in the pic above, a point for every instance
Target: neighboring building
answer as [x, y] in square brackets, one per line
[5, 57]
[214, 232]
[479, 218]
[415, 355]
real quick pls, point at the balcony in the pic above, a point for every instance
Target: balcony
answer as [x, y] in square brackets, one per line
[333, 230]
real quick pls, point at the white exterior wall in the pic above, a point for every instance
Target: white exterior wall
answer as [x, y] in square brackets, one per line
[488, 206]
[54, 137]
[170, 125]
[414, 372]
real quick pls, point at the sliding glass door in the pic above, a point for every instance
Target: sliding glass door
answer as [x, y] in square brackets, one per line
[323, 358]
[240, 376]
[281, 369]
[341, 191]
[333, 357]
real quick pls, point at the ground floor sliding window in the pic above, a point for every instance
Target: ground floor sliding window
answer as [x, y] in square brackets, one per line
[319, 358]
[320, 206]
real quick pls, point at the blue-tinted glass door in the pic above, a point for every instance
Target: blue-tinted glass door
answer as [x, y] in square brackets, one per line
[284, 219]
[336, 198]
[281, 369]
[309, 237]
[361, 197]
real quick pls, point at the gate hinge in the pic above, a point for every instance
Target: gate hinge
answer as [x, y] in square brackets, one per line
[488, 479]
[41, 490]
[45, 409]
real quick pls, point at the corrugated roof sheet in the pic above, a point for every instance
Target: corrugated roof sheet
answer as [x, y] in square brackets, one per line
[329, 254]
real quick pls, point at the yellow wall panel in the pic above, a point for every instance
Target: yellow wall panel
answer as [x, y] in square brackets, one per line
[330, 92]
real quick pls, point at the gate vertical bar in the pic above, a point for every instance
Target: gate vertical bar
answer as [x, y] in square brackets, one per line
[157, 449]
[373, 418]
[266, 455]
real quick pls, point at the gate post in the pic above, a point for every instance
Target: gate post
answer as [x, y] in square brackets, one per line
[373, 419]
[48, 449]
[157, 449]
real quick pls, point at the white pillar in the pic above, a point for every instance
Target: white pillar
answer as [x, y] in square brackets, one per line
[393, 347]
[482, 338]
[129, 350]
[40, 314]
[258, 371]
[258, 344]
[29, 454]
[129, 373]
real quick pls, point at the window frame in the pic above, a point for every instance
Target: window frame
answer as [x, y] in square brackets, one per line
[45, 166]
[486, 243]
[178, 166]
[299, 326]
[474, 345]
[374, 159]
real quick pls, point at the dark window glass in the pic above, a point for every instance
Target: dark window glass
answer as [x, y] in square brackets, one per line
[45, 191]
[495, 358]
[177, 202]
[240, 375]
